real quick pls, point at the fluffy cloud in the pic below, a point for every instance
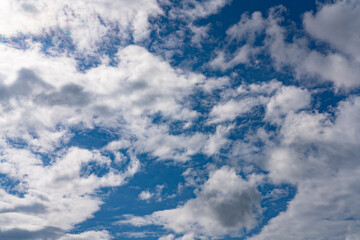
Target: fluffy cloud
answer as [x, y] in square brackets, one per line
[328, 66]
[145, 195]
[85, 21]
[45, 99]
[94, 235]
[50, 186]
[287, 99]
[56, 196]
[340, 67]
[337, 24]
[319, 156]
[192, 10]
[232, 109]
[226, 204]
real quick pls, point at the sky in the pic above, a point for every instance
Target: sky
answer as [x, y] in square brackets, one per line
[179, 120]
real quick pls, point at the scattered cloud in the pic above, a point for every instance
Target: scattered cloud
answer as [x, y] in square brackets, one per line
[239, 137]
[145, 195]
[217, 210]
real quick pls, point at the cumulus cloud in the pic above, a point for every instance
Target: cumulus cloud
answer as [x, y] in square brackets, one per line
[192, 10]
[287, 99]
[242, 101]
[45, 98]
[145, 195]
[232, 109]
[319, 156]
[335, 67]
[226, 204]
[340, 67]
[337, 24]
[87, 22]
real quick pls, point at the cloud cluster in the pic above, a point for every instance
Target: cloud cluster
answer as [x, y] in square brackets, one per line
[49, 185]
[319, 156]
[218, 208]
[340, 67]
[316, 152]
[45, 99]
[86, 22]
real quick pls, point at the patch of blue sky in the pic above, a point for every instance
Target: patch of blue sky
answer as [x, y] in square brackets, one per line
[56, 42]
[95, 138]
[275, 200]
[125, 200]
[18, 42]
[11, 185]
[191, 56]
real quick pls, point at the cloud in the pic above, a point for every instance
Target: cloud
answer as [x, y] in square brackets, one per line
[247, 28]
[306, 63]
[218, 140]
[58, 195]
[226, 204]
[192, 10]
[243, 100]
[224, 62]
[244, 34]
[46, 233]
[148, 106]
[46, 99]
[86, 22]
[338, 24]
[232, 109]
[287, 99]
[94, 235]
[318, 155]
[145, 195]
[271, 34]
[167, 237]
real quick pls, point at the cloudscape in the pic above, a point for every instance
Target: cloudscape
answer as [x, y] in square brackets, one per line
[179, 120]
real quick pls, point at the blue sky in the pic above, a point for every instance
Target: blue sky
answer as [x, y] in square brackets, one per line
[179, 120]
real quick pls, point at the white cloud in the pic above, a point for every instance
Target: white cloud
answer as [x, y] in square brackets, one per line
[44, 98]
[145, 195]
[226, 204]
[232, 109]
[239, 102]
[247, 29]
[340, 67]
[56, 196]
[139, 86]
[335, 67]
[167, 237]
[338, 24]
[242, 55]
[217, 140]
[192, 10]
[287, 99]
[80, 18]
[93, 235]
[319, 155]
[199, 34]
